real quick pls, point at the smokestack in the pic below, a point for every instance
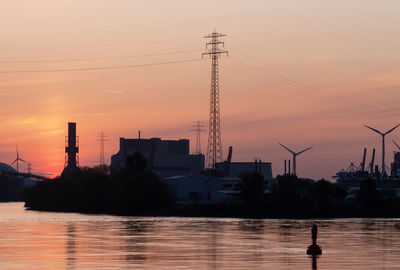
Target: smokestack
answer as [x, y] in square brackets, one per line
[285, 168]
[71, 150]
[289, 167]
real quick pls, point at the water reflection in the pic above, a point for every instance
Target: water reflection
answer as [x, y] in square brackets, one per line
[134, 233]
[314, 259]
[70, 245]
[255, 226]
[71, 241]
[212, 245]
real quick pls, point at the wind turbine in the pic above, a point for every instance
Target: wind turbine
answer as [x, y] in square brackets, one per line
[383, 172]
[18, 159]
[295, 155]
[396, 144]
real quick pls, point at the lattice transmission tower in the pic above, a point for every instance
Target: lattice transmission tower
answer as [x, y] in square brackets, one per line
[214, 146]
[198, 127]
[102, 138]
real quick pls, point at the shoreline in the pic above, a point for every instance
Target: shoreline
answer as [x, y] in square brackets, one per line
[195, 212]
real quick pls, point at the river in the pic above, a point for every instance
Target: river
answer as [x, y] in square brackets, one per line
[43, 240]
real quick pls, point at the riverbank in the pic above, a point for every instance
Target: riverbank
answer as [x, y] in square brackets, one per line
[141, 193]
[239, 210]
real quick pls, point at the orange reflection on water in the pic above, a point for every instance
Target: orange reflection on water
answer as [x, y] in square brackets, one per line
[41, 240]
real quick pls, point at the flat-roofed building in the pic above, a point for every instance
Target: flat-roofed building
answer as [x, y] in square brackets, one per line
[164, 157]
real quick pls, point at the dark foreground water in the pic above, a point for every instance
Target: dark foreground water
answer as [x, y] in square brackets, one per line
[40, 240]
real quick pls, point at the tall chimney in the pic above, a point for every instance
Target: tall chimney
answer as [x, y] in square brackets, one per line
[71, 150]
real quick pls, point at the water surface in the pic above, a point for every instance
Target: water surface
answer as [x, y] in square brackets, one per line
[43, 240]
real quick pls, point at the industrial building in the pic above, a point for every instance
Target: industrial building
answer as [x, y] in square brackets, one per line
[233, 169]
[164, 157]
[202, 189]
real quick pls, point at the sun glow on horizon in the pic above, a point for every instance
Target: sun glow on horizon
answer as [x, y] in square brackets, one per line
[303, 74]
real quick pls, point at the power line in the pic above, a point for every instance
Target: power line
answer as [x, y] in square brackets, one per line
[99, 68]
[305, 81]
[96, 58]
[102, 45]
[306, 87]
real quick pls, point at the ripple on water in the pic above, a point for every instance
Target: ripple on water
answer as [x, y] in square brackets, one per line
[42, 240]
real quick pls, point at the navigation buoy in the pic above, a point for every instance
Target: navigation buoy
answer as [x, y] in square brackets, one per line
[314, 249]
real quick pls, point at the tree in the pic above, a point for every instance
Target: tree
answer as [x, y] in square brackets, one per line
[252, 186]
[368, 197]
[135, 163]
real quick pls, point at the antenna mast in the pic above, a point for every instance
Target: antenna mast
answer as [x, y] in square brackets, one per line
[214, 146]
[198, 127]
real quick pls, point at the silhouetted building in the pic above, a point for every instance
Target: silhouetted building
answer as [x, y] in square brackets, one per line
[395, 166]
[164, 157]
[202, 189]
[235, 168]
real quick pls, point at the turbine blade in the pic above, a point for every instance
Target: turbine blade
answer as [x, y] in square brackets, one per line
[377, 131]
[287, 149]
[304, 150]
[14, 161]
[23, 160]
[396, 144]
[387, 132]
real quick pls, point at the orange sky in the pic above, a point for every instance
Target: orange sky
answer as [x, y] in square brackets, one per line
[299, 72]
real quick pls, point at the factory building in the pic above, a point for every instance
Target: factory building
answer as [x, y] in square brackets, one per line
[164, 157]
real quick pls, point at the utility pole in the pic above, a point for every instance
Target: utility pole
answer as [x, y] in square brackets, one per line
[214, 146]
[102, 138]
[198, 127]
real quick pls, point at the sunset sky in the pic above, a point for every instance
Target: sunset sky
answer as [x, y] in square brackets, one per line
[301, 73]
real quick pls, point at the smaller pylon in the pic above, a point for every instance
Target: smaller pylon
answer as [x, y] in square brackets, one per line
[102, 138]
[198, 127]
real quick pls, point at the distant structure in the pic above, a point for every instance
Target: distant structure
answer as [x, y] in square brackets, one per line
[198, 127]
[71, 151]
[294, 157]
[383, 169]
[102, 138]
[395, 166]
[29, 168]
[356, 173]
[17, 160]
[214, 146]
[235, 168]
[164, 157]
